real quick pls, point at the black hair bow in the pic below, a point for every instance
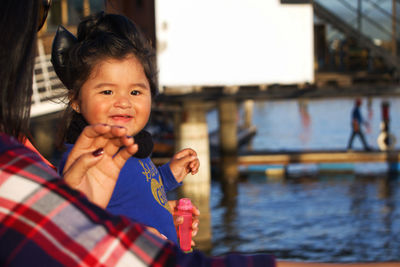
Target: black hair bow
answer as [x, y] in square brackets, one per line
[63, 41]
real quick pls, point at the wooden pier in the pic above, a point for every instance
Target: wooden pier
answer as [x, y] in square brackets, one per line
[289, 157]
[305, 157]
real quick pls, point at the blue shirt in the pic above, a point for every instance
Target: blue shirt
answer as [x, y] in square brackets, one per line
[356, 115]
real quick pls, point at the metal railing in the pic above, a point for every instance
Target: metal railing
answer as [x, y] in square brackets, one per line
[368, 13]
[47, 88]
[350, 31]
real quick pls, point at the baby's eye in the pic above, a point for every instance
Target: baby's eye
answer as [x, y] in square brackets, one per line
[135, 92]
[106, 92]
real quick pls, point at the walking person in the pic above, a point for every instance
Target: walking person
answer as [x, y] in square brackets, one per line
[356, 122]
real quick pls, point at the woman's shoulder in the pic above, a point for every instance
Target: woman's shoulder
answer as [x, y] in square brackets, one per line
[18, 157]
[8, 143]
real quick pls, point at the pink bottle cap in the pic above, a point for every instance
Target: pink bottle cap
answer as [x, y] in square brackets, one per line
[185, 204]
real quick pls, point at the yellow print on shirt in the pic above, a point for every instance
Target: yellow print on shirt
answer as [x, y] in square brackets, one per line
[157, 187]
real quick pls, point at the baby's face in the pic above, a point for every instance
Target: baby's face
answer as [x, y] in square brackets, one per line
[116, 93]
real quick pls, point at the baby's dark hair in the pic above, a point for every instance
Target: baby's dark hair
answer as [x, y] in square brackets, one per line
[102, 36]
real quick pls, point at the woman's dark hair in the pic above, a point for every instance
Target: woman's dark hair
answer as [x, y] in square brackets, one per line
[102, 36]
[18, 29]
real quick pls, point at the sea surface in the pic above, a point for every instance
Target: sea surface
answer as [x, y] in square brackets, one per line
[316, 124]
[346, 216]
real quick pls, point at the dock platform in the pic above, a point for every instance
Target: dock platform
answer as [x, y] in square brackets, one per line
[321, 156]
[311, 156]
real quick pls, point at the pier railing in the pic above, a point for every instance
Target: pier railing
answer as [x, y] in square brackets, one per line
[47, 88]
[362, 39]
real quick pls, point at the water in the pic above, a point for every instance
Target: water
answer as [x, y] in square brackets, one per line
[341, 218]
[316, 123]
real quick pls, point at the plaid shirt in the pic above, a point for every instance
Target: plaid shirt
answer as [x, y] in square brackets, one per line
[45, 223]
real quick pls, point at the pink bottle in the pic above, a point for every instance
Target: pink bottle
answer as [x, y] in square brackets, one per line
[185, 229]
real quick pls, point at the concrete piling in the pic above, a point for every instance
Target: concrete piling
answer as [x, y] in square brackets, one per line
[193, 133]
[228, 113]
[248, 113]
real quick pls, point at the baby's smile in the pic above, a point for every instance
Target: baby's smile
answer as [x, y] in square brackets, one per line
[122, 118]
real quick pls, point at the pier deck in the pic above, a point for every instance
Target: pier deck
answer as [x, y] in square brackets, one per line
[320, 156]
[288, 157]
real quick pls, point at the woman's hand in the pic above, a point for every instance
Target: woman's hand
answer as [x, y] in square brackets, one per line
[184, 162]
[179, 219]
[96, 159]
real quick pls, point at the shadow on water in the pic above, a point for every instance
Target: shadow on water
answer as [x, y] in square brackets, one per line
[228, 205]
[340, 218]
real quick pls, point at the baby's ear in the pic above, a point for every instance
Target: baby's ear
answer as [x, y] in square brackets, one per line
[75, 106]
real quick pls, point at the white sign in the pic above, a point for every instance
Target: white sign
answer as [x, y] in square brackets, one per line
[233, 42]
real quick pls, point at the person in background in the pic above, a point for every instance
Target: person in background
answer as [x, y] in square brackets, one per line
[43, 222]
[356, 122]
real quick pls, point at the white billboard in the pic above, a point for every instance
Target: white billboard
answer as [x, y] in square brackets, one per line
[233, 42]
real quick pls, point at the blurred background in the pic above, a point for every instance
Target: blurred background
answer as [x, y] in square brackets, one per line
[264, 92]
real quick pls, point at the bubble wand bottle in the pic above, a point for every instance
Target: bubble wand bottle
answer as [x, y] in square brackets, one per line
[185, 229]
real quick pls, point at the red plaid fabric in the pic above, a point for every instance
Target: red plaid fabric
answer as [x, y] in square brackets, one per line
[45, 223]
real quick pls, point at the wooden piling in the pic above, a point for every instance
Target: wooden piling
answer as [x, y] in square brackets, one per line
[64, 12]
[228, 140]
[248, 113]
[394, 28]
[86, 8]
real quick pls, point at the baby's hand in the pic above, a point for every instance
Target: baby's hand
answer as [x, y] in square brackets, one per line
[184, 162]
